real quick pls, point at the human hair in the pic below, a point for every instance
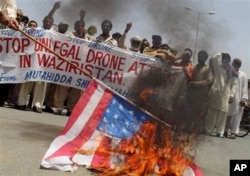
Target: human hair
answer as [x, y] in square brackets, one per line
[204, 53]
[226, 56]
[32, 21]
[78, 23]
[237, 61]
[189, 50]
[116, 35]
[49, 18]
[107, 21]
[25, 19]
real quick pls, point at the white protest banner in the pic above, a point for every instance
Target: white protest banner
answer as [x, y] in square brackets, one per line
[21, 60]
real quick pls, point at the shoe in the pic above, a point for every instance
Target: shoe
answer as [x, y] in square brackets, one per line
[232, 136]
[225, 134]
[21, 107]
[48, 109]
[9, 105]
[219, 135]
[205, 133]
[58, 112]
[36, 109]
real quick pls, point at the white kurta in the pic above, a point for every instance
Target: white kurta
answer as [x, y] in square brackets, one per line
[240, 93]
[220, 91]
[8, 7]
[223, 87]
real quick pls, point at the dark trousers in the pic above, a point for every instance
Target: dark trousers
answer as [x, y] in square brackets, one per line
[4, 92]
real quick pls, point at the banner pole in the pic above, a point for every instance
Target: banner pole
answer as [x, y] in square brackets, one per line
[51, 51]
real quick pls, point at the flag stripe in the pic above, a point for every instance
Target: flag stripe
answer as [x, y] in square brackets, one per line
[80, 106]
[102, 159]
[98, 98]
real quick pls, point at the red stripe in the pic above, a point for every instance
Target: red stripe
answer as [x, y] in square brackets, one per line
[80, 106]
[88, 128]
[101, 158]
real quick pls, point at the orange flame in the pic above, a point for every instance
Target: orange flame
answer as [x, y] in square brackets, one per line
[152, 150]
[145, 93]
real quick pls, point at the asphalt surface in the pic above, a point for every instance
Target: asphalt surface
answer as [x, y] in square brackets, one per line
[25, 137]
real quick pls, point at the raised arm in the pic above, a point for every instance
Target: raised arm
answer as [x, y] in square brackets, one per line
[82, 15]
[56, 6]
[121, 42]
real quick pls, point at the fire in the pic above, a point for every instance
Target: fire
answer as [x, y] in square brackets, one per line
[145, 93]
[153, 150]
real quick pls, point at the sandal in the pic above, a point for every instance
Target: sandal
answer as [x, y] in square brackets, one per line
[37, 109]
[232, 136]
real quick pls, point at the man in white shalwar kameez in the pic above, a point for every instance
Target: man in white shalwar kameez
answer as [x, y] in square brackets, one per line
[220, 94]
[236, 108]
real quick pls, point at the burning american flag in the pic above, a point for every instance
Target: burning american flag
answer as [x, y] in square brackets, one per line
[107, 133]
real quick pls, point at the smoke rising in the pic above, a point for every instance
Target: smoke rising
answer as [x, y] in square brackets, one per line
[168, 18]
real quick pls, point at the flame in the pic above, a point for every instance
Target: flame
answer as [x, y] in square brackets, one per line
[154, 149]
[145, 93]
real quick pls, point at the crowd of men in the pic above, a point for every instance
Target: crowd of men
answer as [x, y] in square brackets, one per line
[221, 87]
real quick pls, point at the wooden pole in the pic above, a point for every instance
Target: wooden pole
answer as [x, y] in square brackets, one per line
[53, 52]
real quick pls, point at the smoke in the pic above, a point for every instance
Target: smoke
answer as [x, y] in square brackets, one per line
[169, 18]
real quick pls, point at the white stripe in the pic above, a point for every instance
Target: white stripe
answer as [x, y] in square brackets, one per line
[76, 128]
[91, 145]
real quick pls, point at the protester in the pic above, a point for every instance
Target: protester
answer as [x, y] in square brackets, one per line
[39, 89]
[79, 27]
[12, 90]
[15, 88]
[35, 89]
[170, 55]
[153, 50]
[184, 60]
[25, 21]
[117, 36]
[121, 42]
[49, 87]
[64, 94]
[181, 104]
[7, 19]
[235, 110]
[105, 37]
[197, 91]
[135, 43]
[91, 32]
[144, 44]
[19, 16]
[32, 24]
[220, 94]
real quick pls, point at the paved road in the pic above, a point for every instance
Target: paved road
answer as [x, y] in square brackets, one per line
[25, 137]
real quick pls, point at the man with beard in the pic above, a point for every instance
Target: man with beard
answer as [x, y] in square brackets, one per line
[236, 108]
[197, 93]
[135, 42]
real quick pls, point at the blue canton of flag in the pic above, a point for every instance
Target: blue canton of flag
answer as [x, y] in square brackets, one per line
[120, 119]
